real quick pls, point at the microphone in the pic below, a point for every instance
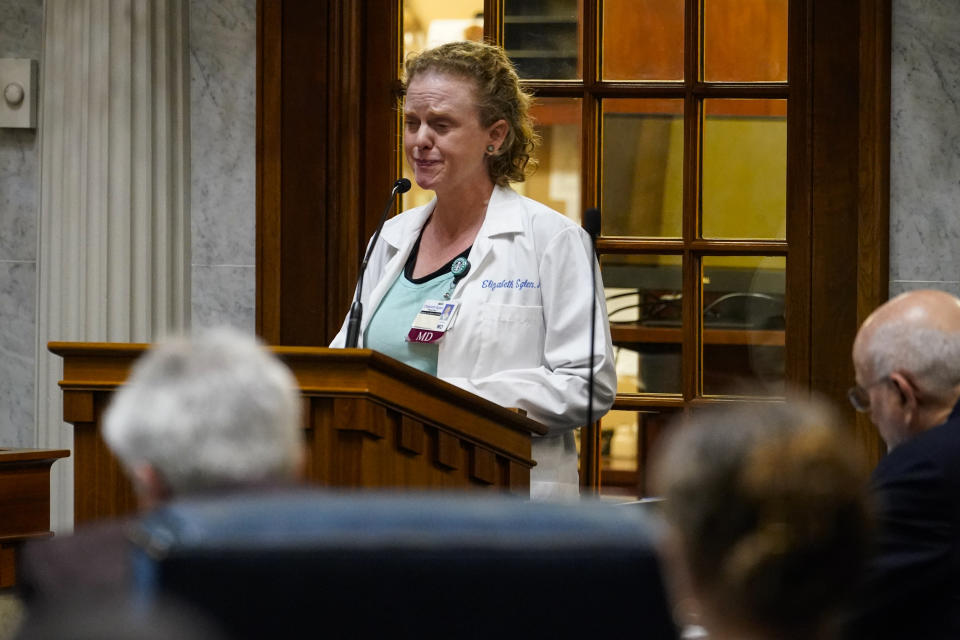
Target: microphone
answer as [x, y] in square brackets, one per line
[591, 224]
[356, 308]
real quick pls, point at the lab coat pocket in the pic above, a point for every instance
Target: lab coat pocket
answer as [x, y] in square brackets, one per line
[512, 337]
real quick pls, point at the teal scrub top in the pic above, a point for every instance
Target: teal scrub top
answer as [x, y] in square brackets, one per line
[388, 328]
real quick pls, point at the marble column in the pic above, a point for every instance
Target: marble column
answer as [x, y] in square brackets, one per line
[21, 36]
[114, 243]
[223, 116]
[925, 146]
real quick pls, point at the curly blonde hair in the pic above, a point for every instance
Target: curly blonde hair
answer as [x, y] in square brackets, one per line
[499, 97]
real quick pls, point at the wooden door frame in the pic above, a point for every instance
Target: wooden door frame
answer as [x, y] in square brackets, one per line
[326, 86]
[325, 80]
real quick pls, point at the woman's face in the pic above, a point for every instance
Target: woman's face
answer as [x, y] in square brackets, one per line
[443, 139]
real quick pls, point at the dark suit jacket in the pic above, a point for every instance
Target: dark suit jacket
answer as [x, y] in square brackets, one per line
[913, 584]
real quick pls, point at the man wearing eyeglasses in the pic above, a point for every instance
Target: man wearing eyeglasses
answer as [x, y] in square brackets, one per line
[907, 361]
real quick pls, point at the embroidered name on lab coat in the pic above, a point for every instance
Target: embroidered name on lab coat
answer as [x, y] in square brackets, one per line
[519, 284]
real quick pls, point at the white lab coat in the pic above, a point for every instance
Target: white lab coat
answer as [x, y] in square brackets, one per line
[521, 336]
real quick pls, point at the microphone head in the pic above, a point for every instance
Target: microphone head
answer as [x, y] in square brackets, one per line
[591, 222]
[402, 185]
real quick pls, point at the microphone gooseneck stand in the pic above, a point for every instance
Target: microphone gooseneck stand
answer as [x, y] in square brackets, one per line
[356, 308]
[591, 223]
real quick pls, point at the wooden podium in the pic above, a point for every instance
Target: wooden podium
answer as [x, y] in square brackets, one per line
[369, 422]
[24, 502]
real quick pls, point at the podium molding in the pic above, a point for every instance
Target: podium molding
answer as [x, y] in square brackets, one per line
[370, 422]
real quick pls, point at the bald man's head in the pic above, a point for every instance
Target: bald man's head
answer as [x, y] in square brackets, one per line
[910, 348]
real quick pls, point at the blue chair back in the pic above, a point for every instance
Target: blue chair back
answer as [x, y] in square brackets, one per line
[406, 565]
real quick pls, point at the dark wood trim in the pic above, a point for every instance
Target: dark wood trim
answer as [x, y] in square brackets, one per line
[345, 200]
[24, 503]
[835, 197]
[492, 20]
[634, 332]
[874, 169]
[690, 373]
[648, 401]
[612, 244]
[269, 168]
[799, 341]
[592, 128]
[873, 248]
[600, 89]
[639, 245]
[326, 156]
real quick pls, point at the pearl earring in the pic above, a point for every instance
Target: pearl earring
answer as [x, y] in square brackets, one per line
[489, 148]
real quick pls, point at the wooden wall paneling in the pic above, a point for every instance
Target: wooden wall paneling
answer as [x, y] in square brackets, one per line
[384, 464]
[309, 106]
[345, 195]
[833, 285]
[483, 465]
[269, 169]
[873, 229]
[849, 189]
[410, 435]
[517, 479]
[799, 213]
[317, 416]
[357, 414]
[326, 90]
[24, 503]
[100, 486]
[447, 450]
[25, 491]
[346, 449]
[380, 92]
[24, 497]
[292, 86]
[874, 168]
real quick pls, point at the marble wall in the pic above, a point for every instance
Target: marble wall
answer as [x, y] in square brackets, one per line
[223, 129]
[223, 80]
[925, 146]
[21, 36]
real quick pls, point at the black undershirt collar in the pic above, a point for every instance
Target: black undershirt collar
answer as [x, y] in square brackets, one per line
[412, 261]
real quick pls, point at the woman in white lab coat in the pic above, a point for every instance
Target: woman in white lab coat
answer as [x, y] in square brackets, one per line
[518, 271]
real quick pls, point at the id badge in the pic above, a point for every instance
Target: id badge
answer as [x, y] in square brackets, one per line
[433, 320]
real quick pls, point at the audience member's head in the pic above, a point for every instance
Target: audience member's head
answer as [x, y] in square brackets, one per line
[768, 519]
[210, 413]
[907, 360]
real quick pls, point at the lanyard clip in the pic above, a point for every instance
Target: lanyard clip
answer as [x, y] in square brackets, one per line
[459, 268]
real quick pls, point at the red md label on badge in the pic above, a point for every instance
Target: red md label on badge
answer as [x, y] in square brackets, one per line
[424, 337]
[433, 320]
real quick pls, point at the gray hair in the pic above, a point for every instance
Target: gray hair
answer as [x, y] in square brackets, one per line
[215, 411]
[931, 356]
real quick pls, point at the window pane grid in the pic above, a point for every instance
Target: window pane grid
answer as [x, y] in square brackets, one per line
[632, 246]
[693, 89]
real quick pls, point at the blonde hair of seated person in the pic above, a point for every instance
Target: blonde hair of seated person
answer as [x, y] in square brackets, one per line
[768, 520]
